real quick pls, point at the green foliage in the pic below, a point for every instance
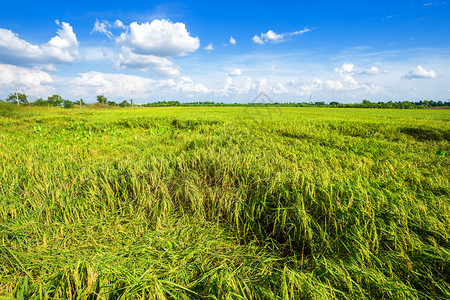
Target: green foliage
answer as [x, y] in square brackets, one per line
[13, 98]
[41, 103]
[68, 104]
[102, 99]
[79, 102]
[55, 100]
[124, 103]
[225, 203]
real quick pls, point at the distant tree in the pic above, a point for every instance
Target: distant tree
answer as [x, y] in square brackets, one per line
[124, 103]
[334, 103]
[55, 100]
[111, 103]
[79, 103]
[174, 103]
[101, 99]
[41, 102]
[68, 104]
[13, 98]
[319, 103]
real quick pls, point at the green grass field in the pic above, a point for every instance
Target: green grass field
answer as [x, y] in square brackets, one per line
[224, 203]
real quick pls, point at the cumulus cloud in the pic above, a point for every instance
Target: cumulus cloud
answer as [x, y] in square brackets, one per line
[118, 86]
[279, 89]
[271, 36]
[373, 71]
[345, 82]
[250, 87]
[235, 72]
[268, 36]
[232, 41]
[345, 69]
[256, 39]
[149, 46]
[159, 65]
[159, 38]
[63, 48]
[122, 86]
[319, 84]
[349, 69]
[31, 81]
[119, 24]
[183, 84]
[209, 47]
[419, 72]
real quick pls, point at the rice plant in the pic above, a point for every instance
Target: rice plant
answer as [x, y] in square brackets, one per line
[224, 203]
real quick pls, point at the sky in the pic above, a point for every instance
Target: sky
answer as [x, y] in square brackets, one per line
[227, 51]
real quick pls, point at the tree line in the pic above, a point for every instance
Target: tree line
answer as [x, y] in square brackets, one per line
[58, 101]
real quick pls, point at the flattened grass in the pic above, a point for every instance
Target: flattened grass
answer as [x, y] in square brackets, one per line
[225, 203]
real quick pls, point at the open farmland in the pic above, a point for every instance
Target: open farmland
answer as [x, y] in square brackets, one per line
[225, 203]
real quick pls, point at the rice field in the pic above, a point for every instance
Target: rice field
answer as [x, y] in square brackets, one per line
[224, 203]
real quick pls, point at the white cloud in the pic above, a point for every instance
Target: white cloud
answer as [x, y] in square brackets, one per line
[373, 71]
[209, 47]
[235, 72]
[119, 24]
[346, 82]
[271, 36]
[103, 27]
[63, 48]
[279, 89]
[300, 31]
[148, 46]
[232, 41]
[122, 86]
[419, 72]
[160, 38]
[187, 85]
[30, 81]
[159, 65]
[257, 40]
[115, 86]
[345, 69]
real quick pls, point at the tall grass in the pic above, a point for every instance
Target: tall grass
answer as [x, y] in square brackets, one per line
[225, 203]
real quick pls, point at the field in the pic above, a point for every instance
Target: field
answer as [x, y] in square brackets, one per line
[224, 203]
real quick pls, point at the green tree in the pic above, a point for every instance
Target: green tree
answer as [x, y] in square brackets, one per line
[55, 100]
[101, 99]
[68, 104]
[124, 103]
[79, 103]
[41, 102]
[17, 96]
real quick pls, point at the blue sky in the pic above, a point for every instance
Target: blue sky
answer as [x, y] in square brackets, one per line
[343, 51]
